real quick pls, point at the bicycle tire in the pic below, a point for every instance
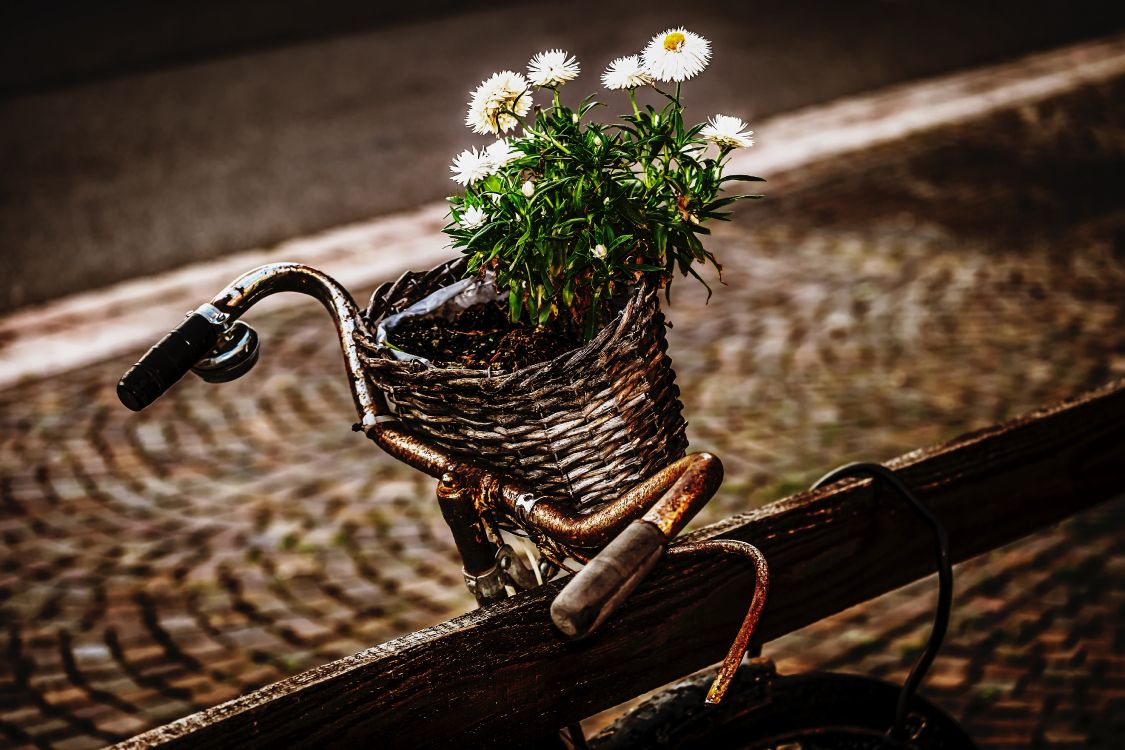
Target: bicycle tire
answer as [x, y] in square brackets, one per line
[811, 711]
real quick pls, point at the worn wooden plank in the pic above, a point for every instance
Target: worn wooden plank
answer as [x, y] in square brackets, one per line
[501, 675]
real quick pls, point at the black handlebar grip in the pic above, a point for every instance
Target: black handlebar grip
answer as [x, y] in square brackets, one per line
[164, 364]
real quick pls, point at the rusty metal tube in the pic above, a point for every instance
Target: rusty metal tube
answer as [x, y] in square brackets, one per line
[374, 416]
[737, 650]
[398, 443]
[478, 552]
[696, 475]
[699, 481]
[254, 286]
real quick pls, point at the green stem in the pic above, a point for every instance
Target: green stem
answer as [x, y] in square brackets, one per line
[633, 101]
[549, 137]
[521, 120]
[724, 152]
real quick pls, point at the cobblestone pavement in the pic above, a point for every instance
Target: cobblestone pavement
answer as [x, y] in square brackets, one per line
[231, 535]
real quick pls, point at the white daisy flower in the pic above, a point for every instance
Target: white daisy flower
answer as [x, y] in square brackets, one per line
[552, 68]
[471, 165]
[676, 55]
[599, 251]
[626, 73]
[727, 132]
[502, 153]
[498, 102]
[473, 218]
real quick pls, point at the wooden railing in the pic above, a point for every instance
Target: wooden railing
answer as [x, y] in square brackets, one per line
[502, 675]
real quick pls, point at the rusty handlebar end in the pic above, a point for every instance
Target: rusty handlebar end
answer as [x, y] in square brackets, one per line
[596, 590]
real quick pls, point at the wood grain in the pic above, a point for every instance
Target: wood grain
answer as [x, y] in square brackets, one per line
[502, 675]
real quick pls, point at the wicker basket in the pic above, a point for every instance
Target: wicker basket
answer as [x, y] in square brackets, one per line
[583, 427]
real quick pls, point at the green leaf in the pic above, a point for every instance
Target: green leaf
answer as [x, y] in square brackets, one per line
[701, 280]
[480, 233]
[724, 202]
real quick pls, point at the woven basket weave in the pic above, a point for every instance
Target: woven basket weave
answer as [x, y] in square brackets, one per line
[583, 427]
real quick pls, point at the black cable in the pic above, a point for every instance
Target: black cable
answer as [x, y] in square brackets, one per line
[945, 580]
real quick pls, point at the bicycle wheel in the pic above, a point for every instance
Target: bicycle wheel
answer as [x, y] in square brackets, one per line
[813, 711]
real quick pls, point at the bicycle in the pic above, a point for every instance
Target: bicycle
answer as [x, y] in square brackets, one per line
[618, 542]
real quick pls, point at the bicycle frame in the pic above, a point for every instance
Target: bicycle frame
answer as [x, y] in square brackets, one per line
[619, 541]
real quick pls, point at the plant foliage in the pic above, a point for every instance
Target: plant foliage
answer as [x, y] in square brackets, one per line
[583, 209]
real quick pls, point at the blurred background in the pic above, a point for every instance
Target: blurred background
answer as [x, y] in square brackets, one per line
[138, 137]
[883, 297]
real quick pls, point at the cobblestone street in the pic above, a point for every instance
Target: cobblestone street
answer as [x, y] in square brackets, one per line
[229, 536]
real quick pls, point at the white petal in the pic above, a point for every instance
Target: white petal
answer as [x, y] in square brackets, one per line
[552, 68]
[502, 153]
[727, 132]
[473, 218]
[498, 102]
[676, 55]
[471, 165]
[625, 73]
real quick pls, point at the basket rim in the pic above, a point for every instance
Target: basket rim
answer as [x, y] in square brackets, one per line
[638, 295]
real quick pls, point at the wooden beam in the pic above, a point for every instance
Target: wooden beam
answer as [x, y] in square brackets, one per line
[502, 675]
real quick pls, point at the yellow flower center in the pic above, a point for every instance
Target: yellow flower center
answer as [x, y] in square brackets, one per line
[673, 41]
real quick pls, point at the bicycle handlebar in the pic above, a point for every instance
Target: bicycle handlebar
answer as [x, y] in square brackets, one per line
[197, 336]
[164, 364]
